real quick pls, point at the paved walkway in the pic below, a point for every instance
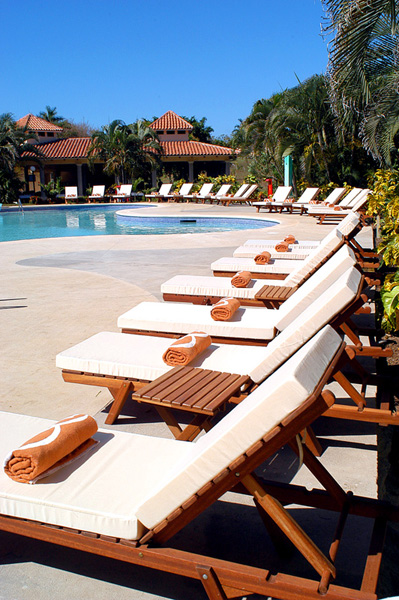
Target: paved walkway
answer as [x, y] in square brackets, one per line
[57, 292]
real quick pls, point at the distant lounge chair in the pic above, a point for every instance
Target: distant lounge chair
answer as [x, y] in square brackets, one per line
[280, 195]
[124, 193]
[181, 194]
[244, 197]
[291, 206]
[129, 498]
[97, 192]
[237, 194]
[164, 192]
[202, 195]
[337, 213]
[71, 193]
[222, 191]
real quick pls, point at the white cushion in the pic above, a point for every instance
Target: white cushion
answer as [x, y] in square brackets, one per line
[272, 243]
[319, 313]
[197, 285]
[247, 423]
[311, 289]
[231, 264]
[140, 356]
[329, 244]
[99, 492]
[296, 253]
[175, 317]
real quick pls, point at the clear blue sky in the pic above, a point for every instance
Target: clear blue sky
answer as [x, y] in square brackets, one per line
[99, 60]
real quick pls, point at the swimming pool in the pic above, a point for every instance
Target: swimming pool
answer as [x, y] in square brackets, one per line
[102, 220]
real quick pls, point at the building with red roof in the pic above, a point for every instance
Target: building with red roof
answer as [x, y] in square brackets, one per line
[67, 158]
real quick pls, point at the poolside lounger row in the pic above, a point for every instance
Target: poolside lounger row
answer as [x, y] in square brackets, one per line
[130, 497]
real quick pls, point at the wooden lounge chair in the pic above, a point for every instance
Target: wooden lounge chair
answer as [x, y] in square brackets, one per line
[222, 191]
[125, 363]
[97, 193]
[290, 205]
[237, 194]
[204, 290]
[124, 193]
[328, 214]
[248, 325]
[279, 268]
[129, 498]
[164, 192]
[181, 194]
[281, 194]
[202, 195]
[244, 197]
[71, 193]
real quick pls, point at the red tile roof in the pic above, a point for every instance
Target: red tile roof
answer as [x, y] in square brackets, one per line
[37, 124]
[194, 149]
[170, 120]
[78, 148]
[66, 148]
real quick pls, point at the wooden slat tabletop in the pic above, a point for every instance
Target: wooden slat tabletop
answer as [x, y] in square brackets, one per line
[274, 292]
[192, 389]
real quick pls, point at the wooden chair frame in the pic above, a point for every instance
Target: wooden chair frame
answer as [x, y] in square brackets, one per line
[224, 579]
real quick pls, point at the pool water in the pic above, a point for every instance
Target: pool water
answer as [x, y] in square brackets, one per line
[80, 221]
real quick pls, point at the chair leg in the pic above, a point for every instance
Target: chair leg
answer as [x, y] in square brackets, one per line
[211, 583]
[120, 397]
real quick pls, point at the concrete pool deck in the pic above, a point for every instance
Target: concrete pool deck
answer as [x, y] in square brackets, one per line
[57, 292]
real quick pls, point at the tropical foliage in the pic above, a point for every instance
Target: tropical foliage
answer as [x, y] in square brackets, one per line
[13, 142]
[300, 122]
[50, 115]
[128, 151]
[363, 71]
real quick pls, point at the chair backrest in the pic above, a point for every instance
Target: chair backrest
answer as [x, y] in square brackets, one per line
[185, 189]
[249, 191]
[348, 225]
[241, 190]
[360, 200]
[71, 192]
[350, 197]
[165, 188]
[322, 311]
[206, 189]
[308, 195]
[329, 244]
[258, 414]
[335, 195]
[125, 189]
[222, 191]
[281, 193]
[98, 190]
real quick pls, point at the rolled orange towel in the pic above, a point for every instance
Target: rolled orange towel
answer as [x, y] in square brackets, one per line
[225, 309]
[337, 208]
[52, 449]
[281, 247]
[186, 348]
[241, 279]
[290, 239]
[263, 258]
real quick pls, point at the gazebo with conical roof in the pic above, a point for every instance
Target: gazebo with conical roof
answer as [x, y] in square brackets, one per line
[188, 157]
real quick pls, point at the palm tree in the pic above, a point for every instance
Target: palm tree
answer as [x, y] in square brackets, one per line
[364, 71]
[50, 115]
[128, 151]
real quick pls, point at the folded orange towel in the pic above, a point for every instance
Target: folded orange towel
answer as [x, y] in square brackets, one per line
[289, 239]
[185, 349]
[263, 258]
[224, 309]
[52, 449]
[241, 279]
[281, 247]
[337, 208]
